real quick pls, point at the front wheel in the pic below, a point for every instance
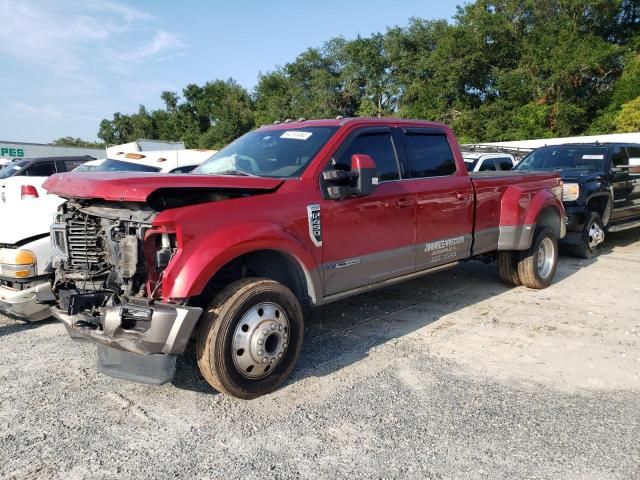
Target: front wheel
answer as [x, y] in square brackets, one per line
[592, 236]
[250, 338]
[537, 266]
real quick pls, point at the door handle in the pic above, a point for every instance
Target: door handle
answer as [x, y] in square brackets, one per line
[405, 202]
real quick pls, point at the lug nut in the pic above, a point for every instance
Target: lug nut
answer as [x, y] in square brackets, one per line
[260, 342]
[271, 361]
[260, 352]
[264, 360]
[273, 326]
[280, 355]
[265, 331]
[284, 345]
[280, 329]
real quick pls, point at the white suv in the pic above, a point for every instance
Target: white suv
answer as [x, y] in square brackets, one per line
[486, 162]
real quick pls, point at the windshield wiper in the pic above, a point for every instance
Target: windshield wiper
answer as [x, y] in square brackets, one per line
[234, 172]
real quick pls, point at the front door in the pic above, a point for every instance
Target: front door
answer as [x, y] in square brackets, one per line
[626, 183]
[368, 239]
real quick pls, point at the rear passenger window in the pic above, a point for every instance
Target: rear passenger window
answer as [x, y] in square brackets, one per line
[488, 165]
[40, 169]
[72, 164]
[379, 147]
[504, 163]
[428, 155]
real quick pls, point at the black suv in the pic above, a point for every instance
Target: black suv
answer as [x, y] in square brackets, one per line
[601, 190]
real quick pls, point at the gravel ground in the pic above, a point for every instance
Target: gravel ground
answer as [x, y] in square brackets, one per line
[449, 376]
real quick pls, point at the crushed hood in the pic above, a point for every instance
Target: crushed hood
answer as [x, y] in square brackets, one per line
[136, 187]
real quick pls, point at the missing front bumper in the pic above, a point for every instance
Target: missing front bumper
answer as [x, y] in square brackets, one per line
[160, 328]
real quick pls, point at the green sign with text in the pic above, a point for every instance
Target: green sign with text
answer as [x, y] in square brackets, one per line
[11, 152]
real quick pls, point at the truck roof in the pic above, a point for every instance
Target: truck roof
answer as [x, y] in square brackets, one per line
[339, 122]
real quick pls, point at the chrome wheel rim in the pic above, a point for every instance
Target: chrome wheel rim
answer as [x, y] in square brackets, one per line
[546, 257]
[260, 340]
[596, 235]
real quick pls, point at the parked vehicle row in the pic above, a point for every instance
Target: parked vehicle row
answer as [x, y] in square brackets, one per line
[288, 216]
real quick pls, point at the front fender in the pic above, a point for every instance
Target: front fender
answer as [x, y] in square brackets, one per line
[200, 258]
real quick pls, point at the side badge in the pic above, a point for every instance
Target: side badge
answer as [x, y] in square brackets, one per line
[315, 228]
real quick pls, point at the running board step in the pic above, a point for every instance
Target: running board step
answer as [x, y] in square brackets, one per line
[624, 226]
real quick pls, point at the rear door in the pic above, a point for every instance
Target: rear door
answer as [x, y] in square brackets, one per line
[444, 216]
[368, 239]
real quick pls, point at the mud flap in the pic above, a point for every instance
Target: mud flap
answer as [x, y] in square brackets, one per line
[153, 369]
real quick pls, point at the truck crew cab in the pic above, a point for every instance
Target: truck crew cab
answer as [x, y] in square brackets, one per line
[601, 190]
[292, 214]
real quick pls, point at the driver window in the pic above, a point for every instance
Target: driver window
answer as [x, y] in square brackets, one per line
[378, 146]
[619, 157]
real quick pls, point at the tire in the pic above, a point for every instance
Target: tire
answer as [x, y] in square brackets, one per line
[538, 265]
[508, 268]
[588, 246]
[250, 337]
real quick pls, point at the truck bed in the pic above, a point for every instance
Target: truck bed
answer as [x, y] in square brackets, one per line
[502, 203]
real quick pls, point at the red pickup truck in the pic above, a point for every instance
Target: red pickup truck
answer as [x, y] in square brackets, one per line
[291, 214]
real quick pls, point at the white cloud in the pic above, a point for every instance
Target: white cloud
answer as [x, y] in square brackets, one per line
[74, 57]
[64, 37]
[47, 111]
[160, 42]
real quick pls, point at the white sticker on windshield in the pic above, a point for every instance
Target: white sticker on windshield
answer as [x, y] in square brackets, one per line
[593, 157]
[296, 135]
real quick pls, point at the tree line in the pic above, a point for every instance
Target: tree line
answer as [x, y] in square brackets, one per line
[500, 70]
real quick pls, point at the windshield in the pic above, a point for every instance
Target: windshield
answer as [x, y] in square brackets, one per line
[116, 166]
[272, 153]
[564, 157]
[12, 168]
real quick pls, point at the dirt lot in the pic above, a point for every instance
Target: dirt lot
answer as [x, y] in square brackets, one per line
[449, 376]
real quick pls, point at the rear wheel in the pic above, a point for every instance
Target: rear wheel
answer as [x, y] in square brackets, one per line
[250, 338]
[537, 266]
[508, 268]
[592, 236]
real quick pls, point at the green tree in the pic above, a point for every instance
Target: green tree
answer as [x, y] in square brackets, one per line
[628, 120]
[76, 142]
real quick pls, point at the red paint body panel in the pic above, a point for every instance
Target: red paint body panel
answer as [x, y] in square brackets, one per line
[389, 229]
[136, 186]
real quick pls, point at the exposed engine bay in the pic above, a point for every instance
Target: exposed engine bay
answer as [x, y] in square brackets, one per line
[107, 253]
[99, 252]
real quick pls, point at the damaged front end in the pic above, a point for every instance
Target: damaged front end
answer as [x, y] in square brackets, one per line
[109, 261]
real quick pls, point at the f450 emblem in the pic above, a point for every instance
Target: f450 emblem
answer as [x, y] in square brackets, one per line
[315, 227]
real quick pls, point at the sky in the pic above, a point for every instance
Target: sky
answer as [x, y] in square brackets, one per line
[66, 65]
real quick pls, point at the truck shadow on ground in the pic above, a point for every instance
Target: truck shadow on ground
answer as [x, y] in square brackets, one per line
[20, 325]
[340, 334]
